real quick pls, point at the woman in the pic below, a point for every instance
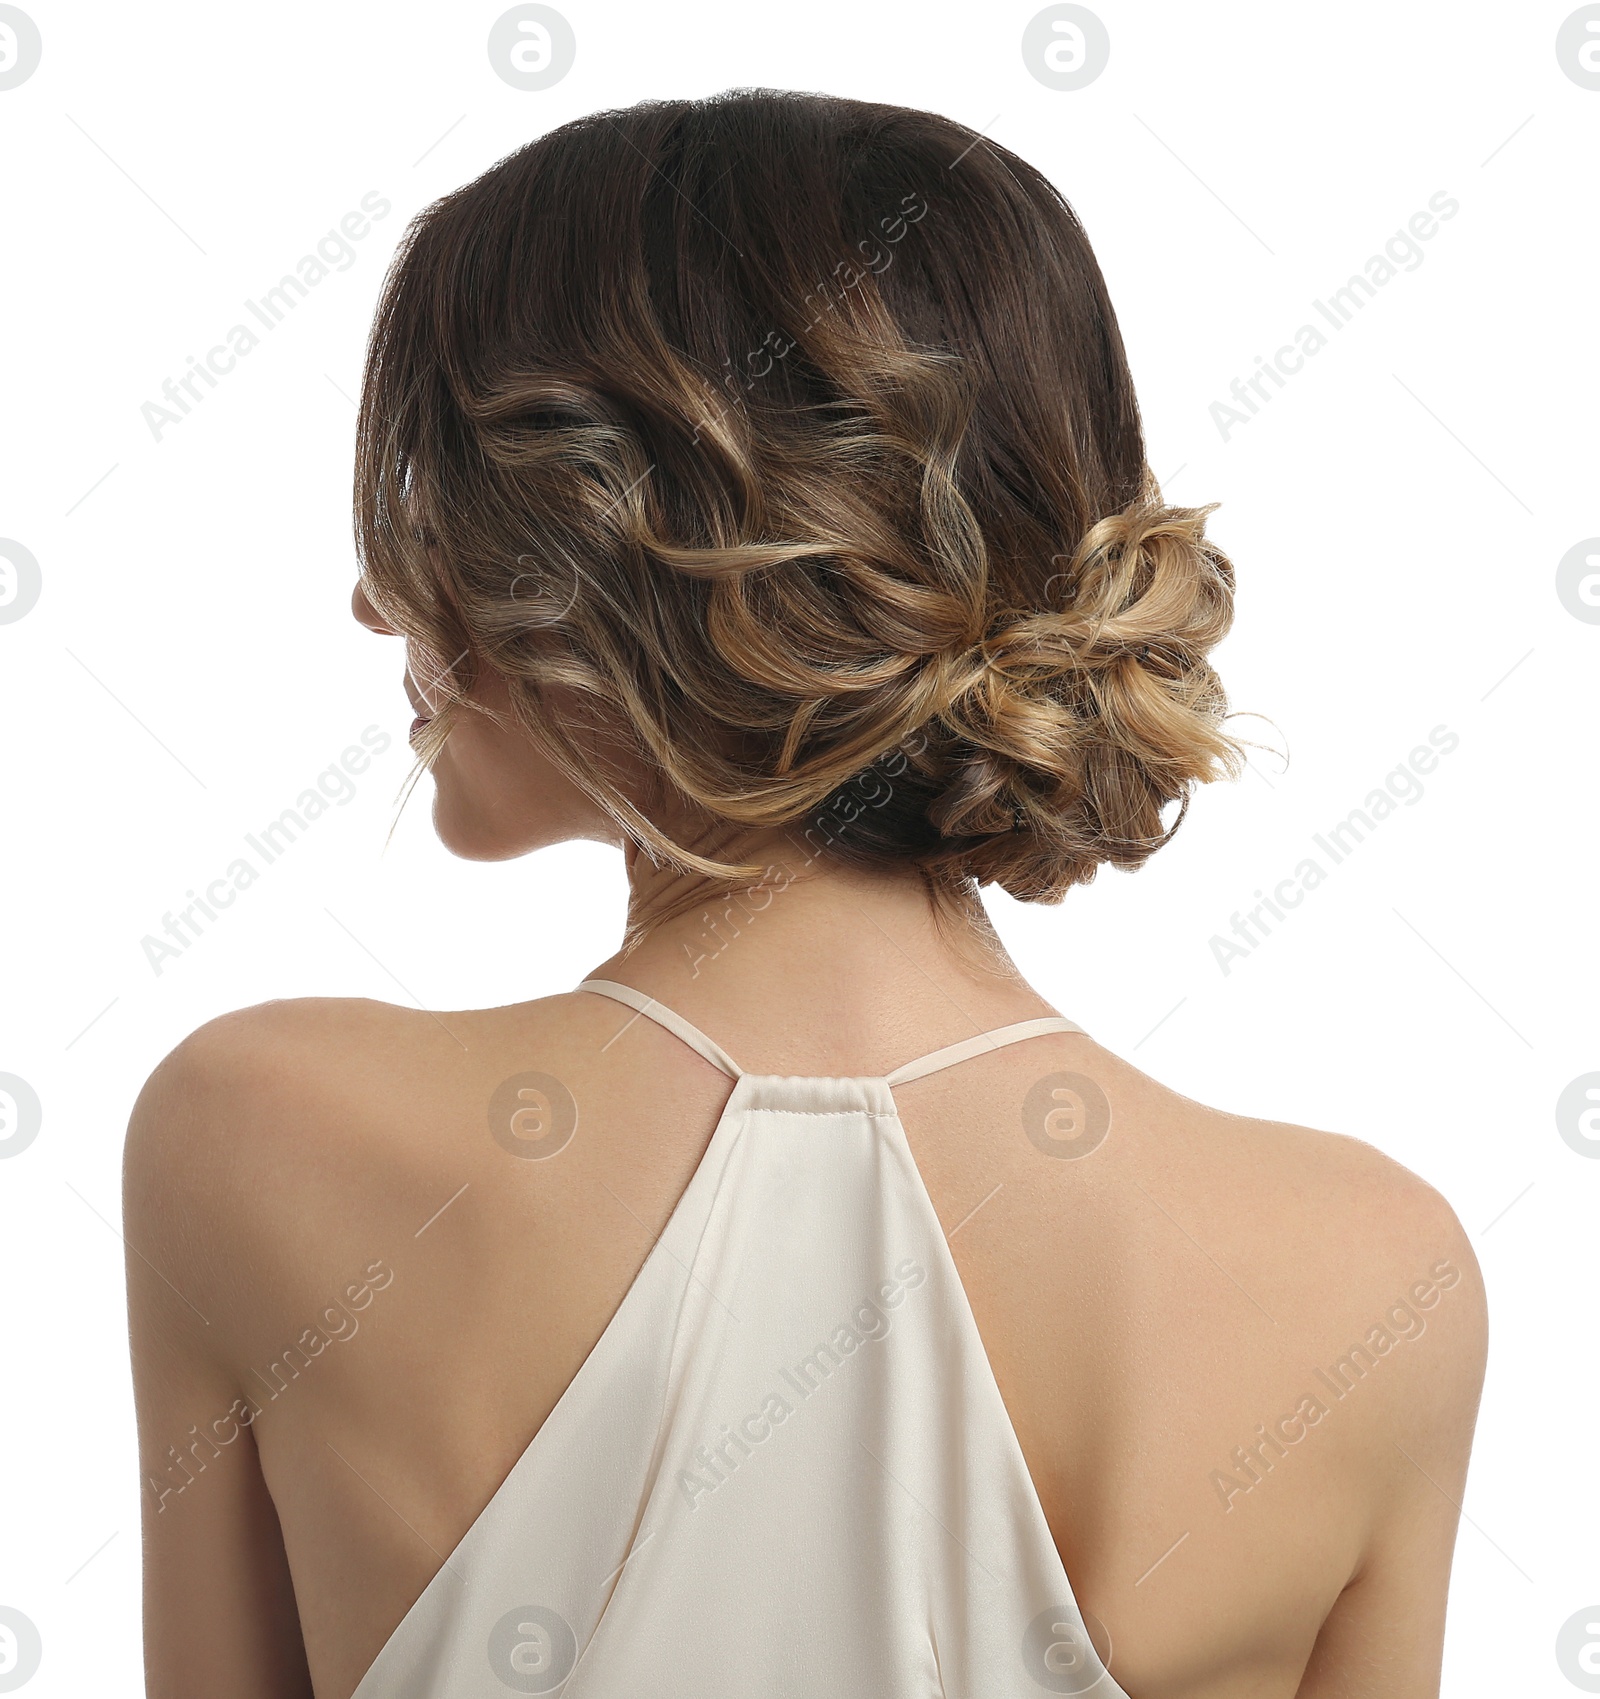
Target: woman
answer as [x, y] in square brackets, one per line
[758, 486]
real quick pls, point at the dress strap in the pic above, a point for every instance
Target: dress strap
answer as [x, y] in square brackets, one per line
[931, 1064]
[984, 1041]
[670, 1019]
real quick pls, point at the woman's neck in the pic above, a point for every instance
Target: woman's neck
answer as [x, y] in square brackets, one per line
[833, 956]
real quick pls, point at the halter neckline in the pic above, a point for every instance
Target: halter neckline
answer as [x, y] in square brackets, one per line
[947, 1057]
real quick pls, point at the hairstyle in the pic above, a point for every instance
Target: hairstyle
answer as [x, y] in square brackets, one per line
[791, 440]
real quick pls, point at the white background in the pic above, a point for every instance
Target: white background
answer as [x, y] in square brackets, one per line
[1396, 515]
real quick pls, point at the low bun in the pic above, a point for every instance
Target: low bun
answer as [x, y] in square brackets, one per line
[1071, 728]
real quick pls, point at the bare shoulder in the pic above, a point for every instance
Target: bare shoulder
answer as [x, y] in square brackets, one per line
[303, 1113]
[301, 1065]
[275, 1132]
[1341, 1246]
[259, 1082]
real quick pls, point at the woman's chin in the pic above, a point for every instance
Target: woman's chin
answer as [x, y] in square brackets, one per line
[471, 835]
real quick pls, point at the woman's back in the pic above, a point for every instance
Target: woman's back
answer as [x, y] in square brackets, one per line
[758, 486]
[427, 1223]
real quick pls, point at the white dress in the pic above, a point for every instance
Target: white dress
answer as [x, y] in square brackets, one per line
[785, 1470]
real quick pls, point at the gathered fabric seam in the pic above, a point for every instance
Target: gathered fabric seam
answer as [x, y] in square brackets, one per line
[870, 1114]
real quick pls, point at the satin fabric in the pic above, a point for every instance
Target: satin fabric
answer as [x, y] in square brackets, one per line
[785, 1469]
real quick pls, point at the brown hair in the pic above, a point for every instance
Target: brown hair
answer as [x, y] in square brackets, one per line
[793, 439]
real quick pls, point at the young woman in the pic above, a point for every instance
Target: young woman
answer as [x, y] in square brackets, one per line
[757, 485]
